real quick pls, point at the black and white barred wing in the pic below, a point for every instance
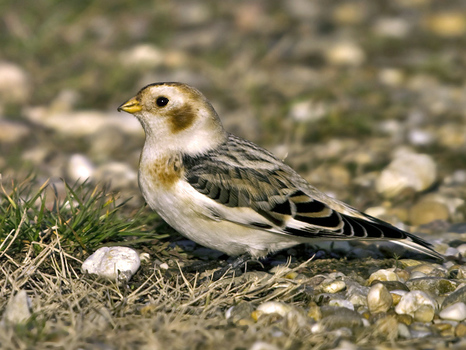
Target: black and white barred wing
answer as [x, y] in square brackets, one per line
[253, 188]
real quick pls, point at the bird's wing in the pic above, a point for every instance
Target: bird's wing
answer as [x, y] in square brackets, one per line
[253, 188]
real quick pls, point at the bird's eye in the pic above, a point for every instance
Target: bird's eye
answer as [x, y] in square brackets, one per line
[162, 101]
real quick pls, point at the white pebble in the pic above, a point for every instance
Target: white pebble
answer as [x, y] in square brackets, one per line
[383, 275]
[18, 309]
[407, 171]
[452, 252]
[274, 307]
[15, 86]
[80, 168]
[333, 286]
[413, 301]
[379, 299]
[341, 303]
[455, 312]
[144, 257]
[462, 249]
[113, 263]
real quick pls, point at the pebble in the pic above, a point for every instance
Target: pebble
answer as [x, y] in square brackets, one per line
[448, 24]
[432, 285]
[18, 309]
[11, 132]
[413, 301]
[113, 263]
[262, 345]
[407, 171]
[335, 318]
[308, 111]
[345, 54]
[14, 83]
[382, 275]
[332, 286]
[79, 168]
[239, 312]
[142, 56]
[379, 299]
[119, 174]
[455, 312]
[426, 211]
[460, 330]
[274, 307]
[341, 303]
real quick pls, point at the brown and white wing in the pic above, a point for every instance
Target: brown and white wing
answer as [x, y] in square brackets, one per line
[253, 188]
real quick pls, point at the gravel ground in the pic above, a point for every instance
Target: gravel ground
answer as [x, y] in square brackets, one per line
[366, 99]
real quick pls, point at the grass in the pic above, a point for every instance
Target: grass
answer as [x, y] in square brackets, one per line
[84, 218]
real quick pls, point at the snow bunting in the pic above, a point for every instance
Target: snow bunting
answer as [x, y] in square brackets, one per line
[227, 193]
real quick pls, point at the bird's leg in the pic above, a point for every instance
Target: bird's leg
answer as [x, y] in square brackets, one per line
[236, 266]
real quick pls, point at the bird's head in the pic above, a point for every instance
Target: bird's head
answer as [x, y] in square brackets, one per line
[176, 117]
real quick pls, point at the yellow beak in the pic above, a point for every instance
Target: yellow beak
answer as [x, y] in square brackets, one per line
[130, 106]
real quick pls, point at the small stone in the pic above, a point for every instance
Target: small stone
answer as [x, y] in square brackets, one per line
[407, 171]
[335, 318]
[14, 83]
[18, 309]
[11, 132]
[382, 275]
[79, 168]
[432, 285]
[332, 286]
[426, 211]
[239, 312]
[142, 55]
[144, 257]
[458, 295]
[455, 312]
[448, 24]
[379, 299]
[308, 111]
[413, 301]
[346, 54]
[262, 345]
[392, 27]
[341, 303]
[118, 174]
[113, 263]
[460, 330]
[425, 313]
[314, 312]
[274, 307]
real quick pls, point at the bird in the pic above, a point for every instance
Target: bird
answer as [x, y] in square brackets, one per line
[229, 194]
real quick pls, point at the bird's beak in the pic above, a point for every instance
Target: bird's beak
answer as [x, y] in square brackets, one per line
[131, 106]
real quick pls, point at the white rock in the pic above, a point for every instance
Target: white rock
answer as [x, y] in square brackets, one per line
[83, 123]
[391, 76]
[341, 303]
[455, 312]
[79, 168]
[420, 137]
[452, 252]
[14, 83]
[308, 111]
[113, 263]
[262, 345]
[11, 132]
[407, 171]
[119, 174]
[145, 55]
[346, 54]
[413, 301]
[274, 307]
[332, 286]
[383, 275]
[462, 249]
[379, 299]
[18, 309]
[393, 27]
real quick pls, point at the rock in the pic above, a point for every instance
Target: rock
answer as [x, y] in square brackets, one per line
[18, 309]
[80, 168]
[382, 275]
[308, 111]
[118, 174]
[274, 307]
[413, 301]
[345, 54]
[420, 137]
[332, 286]
[335, 318]
[14, 84]
[341, 303]
[262, 345]
[432, 285]
[426, 211]
[239, 312]
[448, 24]
[424, 313]
[460, 330]
[11, 132]
[113, 263]
[142, 56]
[455, 312]
[407, 171]
[379, 299]
[392, 27]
